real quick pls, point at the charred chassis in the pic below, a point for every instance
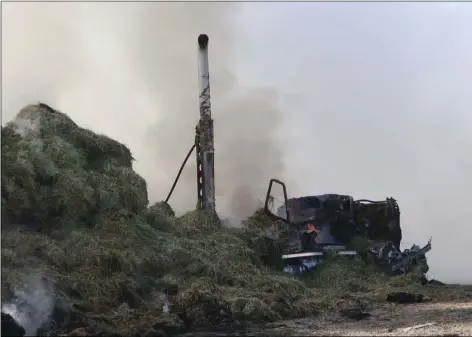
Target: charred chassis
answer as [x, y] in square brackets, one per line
[331, 219]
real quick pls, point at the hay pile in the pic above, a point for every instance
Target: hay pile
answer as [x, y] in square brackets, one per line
[57, 173]
[75, 215]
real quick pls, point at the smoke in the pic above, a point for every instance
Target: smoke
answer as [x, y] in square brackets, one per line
[376, 97]
[32, 304]
[129, 70]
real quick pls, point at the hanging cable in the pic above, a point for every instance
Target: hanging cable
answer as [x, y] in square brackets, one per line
[180, 172]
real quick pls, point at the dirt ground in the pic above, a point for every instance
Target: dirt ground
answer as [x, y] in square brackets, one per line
[447, 313]
[425, 319]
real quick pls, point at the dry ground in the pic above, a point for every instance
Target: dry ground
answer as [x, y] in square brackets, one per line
[426, 319]
[447, 313]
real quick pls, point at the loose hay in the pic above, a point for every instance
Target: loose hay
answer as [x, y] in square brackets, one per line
[56, 173]
[114, 257]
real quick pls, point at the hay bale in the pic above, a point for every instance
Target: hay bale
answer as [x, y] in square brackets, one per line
[58, 174]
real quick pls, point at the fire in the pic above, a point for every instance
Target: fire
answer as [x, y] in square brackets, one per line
[311, 228]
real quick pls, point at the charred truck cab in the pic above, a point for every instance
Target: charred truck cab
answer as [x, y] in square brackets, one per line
[321, 223]
[331, 220]
[314, 224]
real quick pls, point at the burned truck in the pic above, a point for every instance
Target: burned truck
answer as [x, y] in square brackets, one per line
[312, 225]
[333, 223]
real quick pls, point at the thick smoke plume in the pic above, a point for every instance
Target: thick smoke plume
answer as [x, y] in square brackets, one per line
[378, 99]
[129, 70]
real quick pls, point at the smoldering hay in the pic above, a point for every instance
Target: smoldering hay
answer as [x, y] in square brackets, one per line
[75, 214]
[398, 126]
[129, 70]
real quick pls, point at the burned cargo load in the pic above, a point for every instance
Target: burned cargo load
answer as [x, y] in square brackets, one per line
[333, 220]
[319, 224]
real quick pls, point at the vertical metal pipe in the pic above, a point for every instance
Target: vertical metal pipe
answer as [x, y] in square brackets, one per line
[204, 73]
[206, 127]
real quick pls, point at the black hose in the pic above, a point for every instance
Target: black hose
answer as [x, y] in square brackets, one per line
[180, 172]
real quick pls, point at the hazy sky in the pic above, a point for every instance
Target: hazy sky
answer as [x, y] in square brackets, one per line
[377, 100]
[368, 99]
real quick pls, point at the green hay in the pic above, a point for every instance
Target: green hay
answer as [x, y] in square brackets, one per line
[268, 237]
[58, 174]
[160, 216]
[197, 223]
[105, 250]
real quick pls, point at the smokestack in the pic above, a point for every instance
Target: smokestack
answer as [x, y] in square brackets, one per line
[204, 138]
[203, 69]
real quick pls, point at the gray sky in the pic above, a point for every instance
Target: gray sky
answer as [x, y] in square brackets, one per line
[368, 99]
[377, 100]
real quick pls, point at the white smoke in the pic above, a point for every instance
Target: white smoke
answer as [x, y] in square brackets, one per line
[32, 304]
[377, 99]
[129, 70]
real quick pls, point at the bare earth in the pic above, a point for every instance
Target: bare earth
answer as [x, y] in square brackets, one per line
[426, 319]
[446, 311]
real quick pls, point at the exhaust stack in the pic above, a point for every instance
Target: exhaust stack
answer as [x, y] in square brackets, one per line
[204, 141]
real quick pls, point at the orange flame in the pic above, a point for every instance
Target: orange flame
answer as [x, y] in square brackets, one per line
[312, 228]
